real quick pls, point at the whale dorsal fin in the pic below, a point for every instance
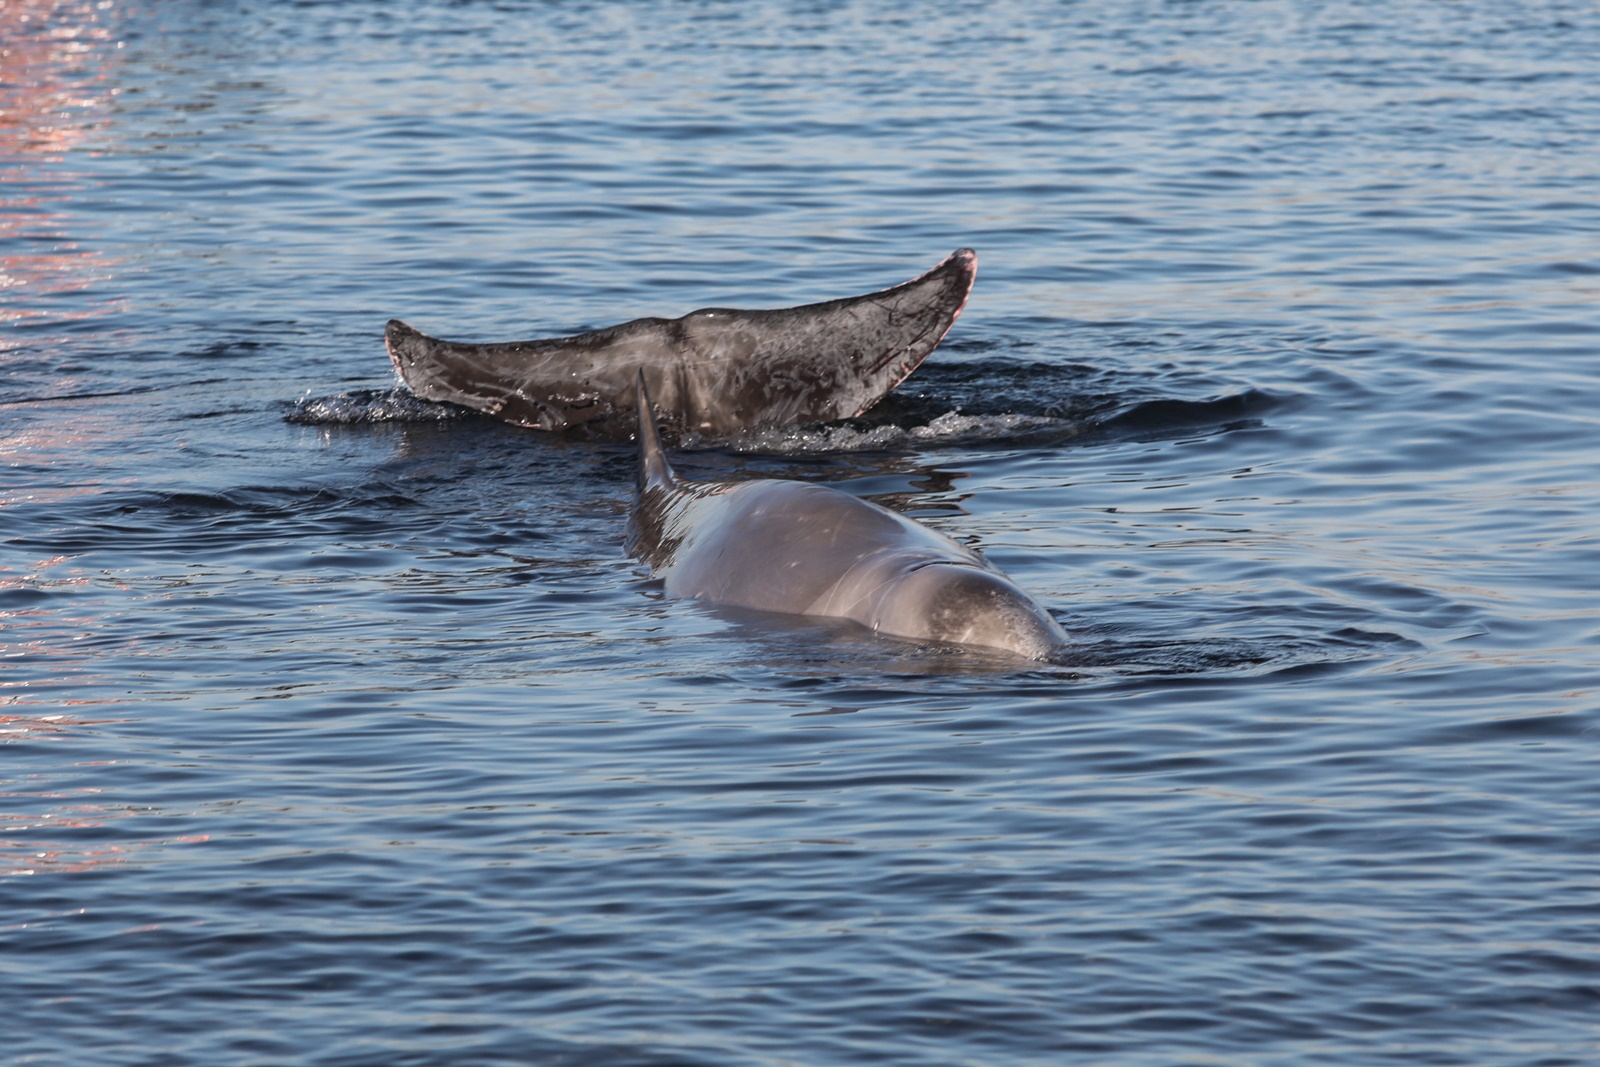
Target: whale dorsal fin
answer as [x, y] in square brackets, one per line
[654, 470]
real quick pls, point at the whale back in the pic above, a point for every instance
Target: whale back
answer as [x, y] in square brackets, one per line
[801, 548]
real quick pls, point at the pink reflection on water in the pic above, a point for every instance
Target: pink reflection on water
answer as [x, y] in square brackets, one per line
[56, 59]
[29, 829]
[31, 634]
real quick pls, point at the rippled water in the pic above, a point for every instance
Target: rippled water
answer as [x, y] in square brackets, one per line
[338, 730]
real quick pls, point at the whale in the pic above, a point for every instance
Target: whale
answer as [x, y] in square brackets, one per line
[714, 372]
[806, 548]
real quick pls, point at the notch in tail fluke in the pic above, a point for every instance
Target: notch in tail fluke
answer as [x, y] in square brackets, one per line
[654, 470]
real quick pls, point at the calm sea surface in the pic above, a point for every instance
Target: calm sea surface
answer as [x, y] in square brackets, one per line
[336, 729]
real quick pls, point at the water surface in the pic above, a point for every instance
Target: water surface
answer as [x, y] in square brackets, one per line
[339, 730]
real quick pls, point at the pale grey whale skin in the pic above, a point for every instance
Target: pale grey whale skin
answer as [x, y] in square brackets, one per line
[801, 548]
[715, 371]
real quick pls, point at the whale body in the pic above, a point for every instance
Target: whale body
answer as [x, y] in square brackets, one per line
[715, 371]
[802, 548]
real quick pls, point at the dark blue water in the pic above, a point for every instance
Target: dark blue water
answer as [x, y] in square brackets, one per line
[338, 730]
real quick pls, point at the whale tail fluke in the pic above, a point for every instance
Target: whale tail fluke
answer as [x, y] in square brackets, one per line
[654, 470]
[718, 371]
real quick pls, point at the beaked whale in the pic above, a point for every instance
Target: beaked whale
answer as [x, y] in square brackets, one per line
[806, 549]
[715, 371]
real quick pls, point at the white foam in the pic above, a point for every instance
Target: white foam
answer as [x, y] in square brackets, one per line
[367, 406]
[952, 427]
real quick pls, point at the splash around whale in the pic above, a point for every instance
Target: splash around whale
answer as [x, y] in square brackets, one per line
[802, 548]
[716, 371]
